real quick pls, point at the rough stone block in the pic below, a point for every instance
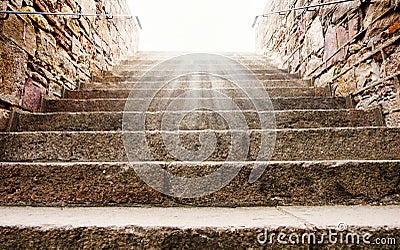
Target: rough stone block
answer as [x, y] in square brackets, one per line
[4, 119]
[46, 47]
[21, 32]
[314, 39]
[353, 27]
[33, 93]
[12, 74]
[38, 19]
[342, 36]
[330, 45]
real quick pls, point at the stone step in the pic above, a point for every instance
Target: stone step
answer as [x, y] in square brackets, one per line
[282, 183]
[197, 84]
[143, 93]
[173, 60]
[163, 54]
[290, 145]
[118, 71]
[107, 121]
[164, 78]
[211, 228]
[205, 60]
[182, 104]
[145, 67]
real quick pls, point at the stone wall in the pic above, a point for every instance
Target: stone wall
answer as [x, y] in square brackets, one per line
[352, 47]
[45, 55]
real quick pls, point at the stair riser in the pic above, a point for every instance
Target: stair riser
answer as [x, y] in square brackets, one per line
[146, 67]
[209, 69]
[272, 92]
[158, 60]
[159, 78]
[67, 105]
[293, 145]
[324, 183]
[113, 121]
[193, 84]
[172, 238]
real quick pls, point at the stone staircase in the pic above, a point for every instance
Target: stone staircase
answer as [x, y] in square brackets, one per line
[67, 182]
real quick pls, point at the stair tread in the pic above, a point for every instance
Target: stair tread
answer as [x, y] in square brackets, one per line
[108, 121]
[124, 93]
[138, 104]
[291, 144]
[292, 217]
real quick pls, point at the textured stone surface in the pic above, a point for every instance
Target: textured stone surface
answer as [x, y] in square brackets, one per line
[82, 105]
[21, 31]
[319, 144]
[13, 62]
[184, 84]
[124, 93]
[327, 44]
[101, 121]
[164, 238]
[60, 54]
[326, 154]
[304, 183]
[4, 119]
[33, 93]
[228, 229]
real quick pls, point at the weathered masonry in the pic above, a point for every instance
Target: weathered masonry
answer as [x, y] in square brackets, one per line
[48, 54]
[352, 47]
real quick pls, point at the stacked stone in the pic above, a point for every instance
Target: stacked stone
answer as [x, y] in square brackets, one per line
[352, 47]
[48, 54]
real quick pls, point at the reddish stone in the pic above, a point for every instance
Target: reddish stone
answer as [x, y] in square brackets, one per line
[32, 96]
[342, 37]
[395, 27]
[330, 46]
[353, 27]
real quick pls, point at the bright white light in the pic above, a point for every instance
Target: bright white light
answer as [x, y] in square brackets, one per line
[197, 25]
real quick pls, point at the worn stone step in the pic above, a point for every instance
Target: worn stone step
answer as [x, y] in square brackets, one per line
[164, 78]
[196, 84]
[112, 121]
[291, 144]
[118, 71]
[200, 228]
[167, 54]
[145, 67]
[182, 104]
[142, 93]
[199, 61]
[119, 184]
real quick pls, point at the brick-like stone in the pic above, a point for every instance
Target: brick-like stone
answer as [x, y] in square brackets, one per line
[330, 46]
[21, 31]
[47, 47]
[32, 96]
[38, 19]
[350, 62]
[342, 38]
[13, 62]
[314, 40]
